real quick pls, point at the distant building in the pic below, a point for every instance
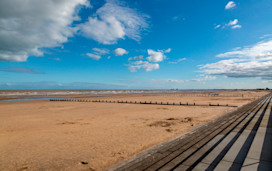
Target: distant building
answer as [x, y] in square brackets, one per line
[262, 89]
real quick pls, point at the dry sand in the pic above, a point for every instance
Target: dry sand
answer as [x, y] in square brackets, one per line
[44, 135]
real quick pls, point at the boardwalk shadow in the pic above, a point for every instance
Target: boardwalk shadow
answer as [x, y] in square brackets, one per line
[240, 158]
[266, 154]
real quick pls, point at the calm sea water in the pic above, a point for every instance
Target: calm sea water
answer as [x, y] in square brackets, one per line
[28, 99]
[17, 93]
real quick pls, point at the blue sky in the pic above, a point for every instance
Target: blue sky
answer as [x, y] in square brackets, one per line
[135, 44]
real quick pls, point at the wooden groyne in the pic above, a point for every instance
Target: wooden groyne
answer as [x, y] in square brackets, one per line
[141, 102]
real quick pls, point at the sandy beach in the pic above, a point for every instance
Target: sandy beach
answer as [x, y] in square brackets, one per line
[46, 135]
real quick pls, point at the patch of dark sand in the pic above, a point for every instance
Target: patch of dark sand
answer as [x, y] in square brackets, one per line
[171, 121]
[72, 123]
[163, 108]
[160, 124]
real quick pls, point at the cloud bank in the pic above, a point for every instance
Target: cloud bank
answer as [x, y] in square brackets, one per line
[250, 61]
[114, 21]
[29, 26]
[19, 70]
[201, 79]
[52, 85]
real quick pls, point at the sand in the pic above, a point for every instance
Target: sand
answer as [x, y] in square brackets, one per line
[44, 135]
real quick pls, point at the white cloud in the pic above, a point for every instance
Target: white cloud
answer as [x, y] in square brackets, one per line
[101, 51]
[266, 36]
[114, 21]
[260, 50]
[236, 48]
[155, 56]
[217, 26]
[177, 61]
[201, 79]
[120, 52]
[182, 59]
[94, 56]
[206, 78]
[97, 53]
[135, 66]
[168, 50]
[230, 5]
[233, 22]
[236, 27]
[107, 31]
[251, 61]
[141, 57]
[56, 59]
[28, 26]
[160, 81]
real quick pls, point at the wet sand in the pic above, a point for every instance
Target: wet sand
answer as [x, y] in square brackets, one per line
[44, 135]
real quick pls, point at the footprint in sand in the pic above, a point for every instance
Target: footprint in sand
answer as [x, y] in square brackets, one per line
[66, 123]
[23, 168]
[72, 123]
[83, 162]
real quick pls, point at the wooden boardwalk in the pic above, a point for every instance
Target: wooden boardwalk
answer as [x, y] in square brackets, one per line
[240, 140]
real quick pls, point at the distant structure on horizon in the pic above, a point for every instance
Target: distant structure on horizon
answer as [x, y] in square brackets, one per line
[262, 89]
